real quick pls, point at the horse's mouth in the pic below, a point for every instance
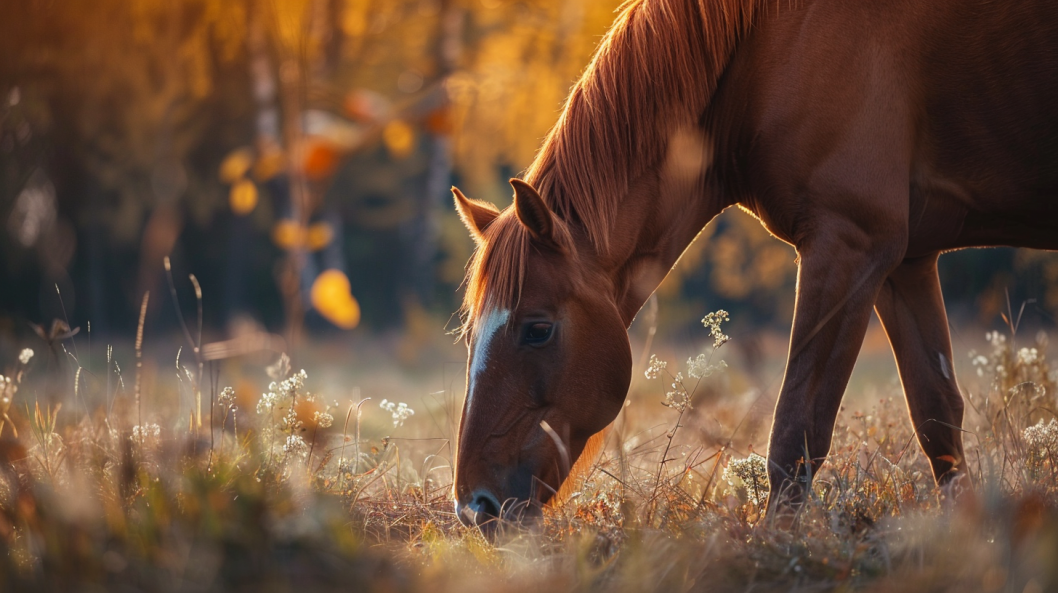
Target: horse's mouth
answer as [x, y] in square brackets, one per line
[513, 516]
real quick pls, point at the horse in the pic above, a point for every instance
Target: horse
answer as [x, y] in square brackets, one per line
[870, 136]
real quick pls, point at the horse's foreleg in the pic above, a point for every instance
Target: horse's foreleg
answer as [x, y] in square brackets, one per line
[912, 311]
[838, 281]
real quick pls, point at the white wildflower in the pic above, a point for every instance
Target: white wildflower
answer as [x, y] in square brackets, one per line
[322, 419]
[147, 431]
[979, 361]
[1042, 438]
[294, 444]
[1042, 445]
[656, 365]
[749, 478]
[268, 402]
[996, 339]
[1028, 355]
[280, 369]
[700, 368]
[227, 397]
[25, 356]
[283, 393]
[678, 398]
[712, 321]
[296, 382]
[290, 420]
[8, 389]
[399, 411]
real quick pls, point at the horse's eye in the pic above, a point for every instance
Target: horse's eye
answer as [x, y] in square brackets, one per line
[537, 333]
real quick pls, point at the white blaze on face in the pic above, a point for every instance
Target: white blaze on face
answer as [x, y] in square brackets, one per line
[485, 330]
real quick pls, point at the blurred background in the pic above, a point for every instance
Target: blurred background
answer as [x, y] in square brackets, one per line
[295, 156]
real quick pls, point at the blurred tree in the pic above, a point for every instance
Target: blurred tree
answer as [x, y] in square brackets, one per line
[117, 115]
[130, 90]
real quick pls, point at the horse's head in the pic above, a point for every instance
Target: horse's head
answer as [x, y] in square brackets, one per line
[549, 361]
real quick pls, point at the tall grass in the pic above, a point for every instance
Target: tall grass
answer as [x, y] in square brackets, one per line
[280, 496]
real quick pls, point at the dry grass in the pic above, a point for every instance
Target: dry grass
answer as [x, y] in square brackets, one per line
[286, 495]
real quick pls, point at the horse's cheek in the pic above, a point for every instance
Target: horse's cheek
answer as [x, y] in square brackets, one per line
[615, 377]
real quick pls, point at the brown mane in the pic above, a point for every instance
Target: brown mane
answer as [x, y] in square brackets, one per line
[647, 78]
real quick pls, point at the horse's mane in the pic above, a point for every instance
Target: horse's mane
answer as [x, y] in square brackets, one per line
[655, 71]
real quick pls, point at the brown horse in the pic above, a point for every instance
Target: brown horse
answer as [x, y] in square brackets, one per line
[871, 136]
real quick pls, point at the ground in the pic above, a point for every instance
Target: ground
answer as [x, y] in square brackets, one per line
[306, 482]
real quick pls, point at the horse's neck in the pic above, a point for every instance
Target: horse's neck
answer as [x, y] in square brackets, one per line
[661, 215]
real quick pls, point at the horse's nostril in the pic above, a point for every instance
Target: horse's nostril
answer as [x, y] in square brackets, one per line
[485, 504]
[482, 508]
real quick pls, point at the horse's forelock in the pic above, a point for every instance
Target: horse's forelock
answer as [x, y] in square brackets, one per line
[496, 272]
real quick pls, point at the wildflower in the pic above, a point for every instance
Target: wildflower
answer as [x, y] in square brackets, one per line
[268, 401]
[290, 420]
[1028, 355]
[25, 356]
[699, 367]
[749, 477]
[280, 369]
[678, 398]
[227, 397]
[979, 361]
[296, 381]
[8, 388]
[294, 444]
[656, 365]
[147, 431]
[323, 419]
[996, 339]
[283, 392]
[1042, 438]
[712, 321]
[400, 411]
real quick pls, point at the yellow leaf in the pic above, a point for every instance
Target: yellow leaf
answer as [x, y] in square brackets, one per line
[399, 138]
[235, 165]
[331, 296]
[243, 197]
[287, 234]
[269, 165]
[319, 236]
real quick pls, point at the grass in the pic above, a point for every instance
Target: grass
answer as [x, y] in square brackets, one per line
[285, 492]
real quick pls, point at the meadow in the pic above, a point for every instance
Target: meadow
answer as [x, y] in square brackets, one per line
[294, 482]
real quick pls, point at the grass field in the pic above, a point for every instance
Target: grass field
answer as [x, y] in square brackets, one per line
[107, 487]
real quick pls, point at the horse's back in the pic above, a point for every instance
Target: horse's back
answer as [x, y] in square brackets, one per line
[954, 104]
[989, 100]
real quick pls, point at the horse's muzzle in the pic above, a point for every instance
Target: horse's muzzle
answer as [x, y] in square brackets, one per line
[482, 510]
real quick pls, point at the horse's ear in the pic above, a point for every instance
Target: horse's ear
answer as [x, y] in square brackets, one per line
[533, 212]
[475, 214]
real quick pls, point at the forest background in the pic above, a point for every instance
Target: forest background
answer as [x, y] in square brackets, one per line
[132, 130]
